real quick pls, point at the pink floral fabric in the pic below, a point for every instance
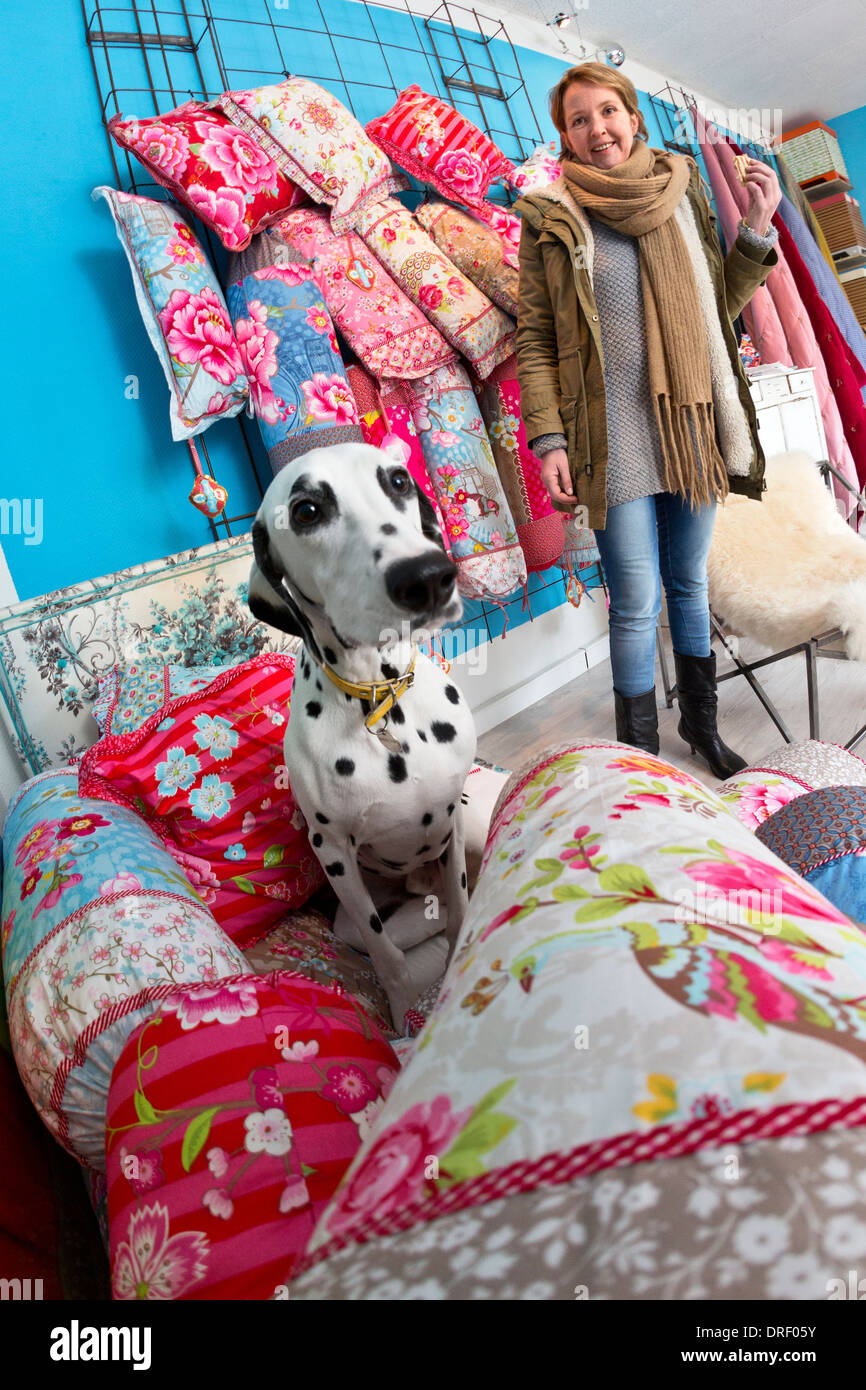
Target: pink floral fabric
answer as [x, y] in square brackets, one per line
[390, 335]
[206, 771]
[486, 257]
[184, 312]
[539, 170]
[218, 171]
[465, 316]
[629, 945]
[437, 145]
[234, 1112]
[317, 143]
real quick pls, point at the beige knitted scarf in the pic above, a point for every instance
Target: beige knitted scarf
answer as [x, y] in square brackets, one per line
[639, 197]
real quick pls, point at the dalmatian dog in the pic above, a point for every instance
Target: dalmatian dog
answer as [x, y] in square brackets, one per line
[349, 556]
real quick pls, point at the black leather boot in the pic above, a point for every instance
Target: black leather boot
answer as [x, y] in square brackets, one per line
[698, 702]
[637, 720]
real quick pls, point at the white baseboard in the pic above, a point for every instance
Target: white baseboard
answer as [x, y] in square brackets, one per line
[500, 678]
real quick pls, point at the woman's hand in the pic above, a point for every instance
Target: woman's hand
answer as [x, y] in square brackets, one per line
[764, 195]
[557, 480]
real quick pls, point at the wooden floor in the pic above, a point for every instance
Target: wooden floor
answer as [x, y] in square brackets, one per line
[584, 709]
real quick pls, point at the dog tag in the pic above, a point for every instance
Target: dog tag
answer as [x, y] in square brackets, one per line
[387, 738]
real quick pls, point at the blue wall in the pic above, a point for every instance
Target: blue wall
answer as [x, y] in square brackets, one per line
[851, 130]
[113, 485]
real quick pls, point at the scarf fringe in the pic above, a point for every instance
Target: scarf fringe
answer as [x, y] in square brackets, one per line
[688, 432]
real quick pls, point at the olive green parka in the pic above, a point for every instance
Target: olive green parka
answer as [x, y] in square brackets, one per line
[560, 362]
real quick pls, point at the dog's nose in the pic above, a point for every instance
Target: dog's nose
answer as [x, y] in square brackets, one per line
[422, 584]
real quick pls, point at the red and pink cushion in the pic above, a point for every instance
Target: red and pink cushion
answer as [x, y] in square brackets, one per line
[206, 772]
[317, 143]
[434, 143]
[218, 171]
[233, 1113]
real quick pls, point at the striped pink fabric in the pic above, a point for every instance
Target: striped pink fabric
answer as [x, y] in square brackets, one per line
[206, 772]
[434, 143]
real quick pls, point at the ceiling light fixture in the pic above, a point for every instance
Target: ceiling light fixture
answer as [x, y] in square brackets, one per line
[614, 56]
[561, 21]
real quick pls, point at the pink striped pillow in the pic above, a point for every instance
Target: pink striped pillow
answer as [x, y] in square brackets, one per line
[206, 772]
[434, 143]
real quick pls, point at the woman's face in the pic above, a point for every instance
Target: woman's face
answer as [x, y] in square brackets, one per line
[598, 128]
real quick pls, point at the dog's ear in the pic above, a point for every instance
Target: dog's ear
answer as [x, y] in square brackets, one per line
[429, 523]
[267, 596]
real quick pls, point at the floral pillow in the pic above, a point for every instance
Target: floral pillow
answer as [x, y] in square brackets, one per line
[183, 309]
[390, 335]
[538, 171]
[484, 257]
[434, 143]
[233, 1114]
[479, 330]
[317, 144]
[299, 388]
[206, 772]
[216, 170]
[129, 694]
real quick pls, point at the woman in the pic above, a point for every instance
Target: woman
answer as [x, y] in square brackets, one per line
[632, 390]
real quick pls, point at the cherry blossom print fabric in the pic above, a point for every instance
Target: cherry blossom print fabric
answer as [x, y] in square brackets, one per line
[184, 311]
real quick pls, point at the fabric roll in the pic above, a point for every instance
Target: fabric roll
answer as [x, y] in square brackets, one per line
[827, 285]
[795, 195]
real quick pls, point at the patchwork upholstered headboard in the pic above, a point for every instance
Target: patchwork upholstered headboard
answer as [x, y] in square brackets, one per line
[189, 608]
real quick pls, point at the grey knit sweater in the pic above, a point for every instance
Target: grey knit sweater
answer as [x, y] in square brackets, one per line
[635, 467]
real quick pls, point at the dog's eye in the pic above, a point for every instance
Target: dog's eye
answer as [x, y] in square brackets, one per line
[401, 481]
[305, 513]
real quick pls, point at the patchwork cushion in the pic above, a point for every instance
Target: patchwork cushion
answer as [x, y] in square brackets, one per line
[206, 771]
[184, 311]
[98, 923]
[128, 695]
[298, 385]
[389, 334]
[234, 1112]
[822, 835]
[476, 249]
[479, 330]
[317, 143]
[625, 934]
[437, 145]
[216, 170]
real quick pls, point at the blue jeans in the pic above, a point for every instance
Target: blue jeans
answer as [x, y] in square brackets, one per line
[646, 543]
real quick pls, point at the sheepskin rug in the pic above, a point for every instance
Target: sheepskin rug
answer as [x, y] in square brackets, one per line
[789, 567]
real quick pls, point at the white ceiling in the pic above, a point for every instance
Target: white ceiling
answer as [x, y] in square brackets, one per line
[805, 57]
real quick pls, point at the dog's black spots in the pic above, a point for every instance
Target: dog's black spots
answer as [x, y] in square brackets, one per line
[442, 731]
[427, 818]
[453, 694]
[318, 685]
[388, 910]
[450, 807]
[351, 839]
[316, 840]
[397, 767]
[387, 528]
[323, 820]
[405, 747]
[424, 849]
[385, 481]
[377, 555]
[314, 709]
[366, 706]
[444, 857]
[389, 672]
[421, 734]
[446, 838]
[462, 880]
[348, 696]
[336, 869]
[345, 767]
[375, 922]
[397, 714]
[330, 655]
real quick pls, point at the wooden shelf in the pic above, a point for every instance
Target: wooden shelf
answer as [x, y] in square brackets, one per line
[825, 188]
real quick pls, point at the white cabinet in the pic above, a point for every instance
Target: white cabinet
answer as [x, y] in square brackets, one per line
[789, 416]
